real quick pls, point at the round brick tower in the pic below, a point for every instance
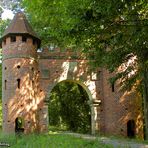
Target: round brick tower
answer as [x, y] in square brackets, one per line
[19, 76]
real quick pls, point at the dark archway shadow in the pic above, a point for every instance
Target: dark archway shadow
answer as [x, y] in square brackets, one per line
[131, 129]
[19, 125]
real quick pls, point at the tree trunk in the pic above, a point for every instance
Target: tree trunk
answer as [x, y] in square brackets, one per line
[145, 100]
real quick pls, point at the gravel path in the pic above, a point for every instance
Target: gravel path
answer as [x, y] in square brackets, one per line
[116, 143]
[122, 144]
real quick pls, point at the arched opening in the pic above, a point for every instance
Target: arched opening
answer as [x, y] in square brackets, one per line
[131, 128]
[19, 126]
[69, 107]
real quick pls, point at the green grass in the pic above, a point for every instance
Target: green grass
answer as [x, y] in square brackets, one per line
[57, 128]
[50, 141]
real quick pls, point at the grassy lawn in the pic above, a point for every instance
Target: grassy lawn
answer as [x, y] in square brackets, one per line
[50, 141]
[54, 139]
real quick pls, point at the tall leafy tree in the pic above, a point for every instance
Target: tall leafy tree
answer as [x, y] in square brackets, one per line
[113, 32]
[69, 106]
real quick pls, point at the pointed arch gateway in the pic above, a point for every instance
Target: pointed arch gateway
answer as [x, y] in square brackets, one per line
[93, 111]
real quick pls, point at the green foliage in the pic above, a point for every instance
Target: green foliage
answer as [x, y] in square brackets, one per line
[3, 25]
[0, 95]
[111, 32]
[0, 80]
[53, 141]
[69, 107]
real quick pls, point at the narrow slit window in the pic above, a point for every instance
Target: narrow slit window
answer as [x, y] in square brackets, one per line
[113, 87]
[5, 84]
[18, 83]
[34, 41]
[13, 38]
[99, 75]
[4, 41]
[24, 39]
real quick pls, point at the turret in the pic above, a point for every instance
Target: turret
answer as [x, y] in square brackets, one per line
[19, 75]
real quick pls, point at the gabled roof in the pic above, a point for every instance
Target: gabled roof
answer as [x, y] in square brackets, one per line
[20, 25]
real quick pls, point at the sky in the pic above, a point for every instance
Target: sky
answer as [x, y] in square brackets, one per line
[7, 14]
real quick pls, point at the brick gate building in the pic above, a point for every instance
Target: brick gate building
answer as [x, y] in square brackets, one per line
[29, 76]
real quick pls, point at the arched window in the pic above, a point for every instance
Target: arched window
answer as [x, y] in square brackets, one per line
[131, 128]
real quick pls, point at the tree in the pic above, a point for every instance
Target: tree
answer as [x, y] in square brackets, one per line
[112, 32]
[69, 106]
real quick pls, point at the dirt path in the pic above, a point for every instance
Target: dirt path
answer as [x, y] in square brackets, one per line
[116, 143]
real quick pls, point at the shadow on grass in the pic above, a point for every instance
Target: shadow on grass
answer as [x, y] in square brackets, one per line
[57, 140]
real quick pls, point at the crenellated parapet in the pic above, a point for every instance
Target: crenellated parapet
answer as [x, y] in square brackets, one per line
[19, 46]
[57, 53]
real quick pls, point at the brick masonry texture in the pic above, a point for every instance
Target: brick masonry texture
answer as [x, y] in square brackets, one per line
[40, 71]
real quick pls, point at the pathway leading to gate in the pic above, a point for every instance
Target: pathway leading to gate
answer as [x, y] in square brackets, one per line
[116, 143]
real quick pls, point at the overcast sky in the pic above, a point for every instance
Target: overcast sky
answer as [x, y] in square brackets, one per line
[7, 14]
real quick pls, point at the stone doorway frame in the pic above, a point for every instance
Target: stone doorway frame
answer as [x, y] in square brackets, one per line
[91, 104]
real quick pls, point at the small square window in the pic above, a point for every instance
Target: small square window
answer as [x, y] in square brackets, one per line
[24, 39]
[34, 41]
[46, 73]
[13, 38]
[4, 41]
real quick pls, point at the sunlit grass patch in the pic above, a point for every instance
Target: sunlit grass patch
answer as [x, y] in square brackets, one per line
[50, 140]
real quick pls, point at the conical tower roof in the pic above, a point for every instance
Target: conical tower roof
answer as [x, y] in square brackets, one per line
[20, 26]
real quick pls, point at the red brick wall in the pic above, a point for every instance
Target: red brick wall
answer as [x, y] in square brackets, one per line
[120, 107]
[40, 72]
